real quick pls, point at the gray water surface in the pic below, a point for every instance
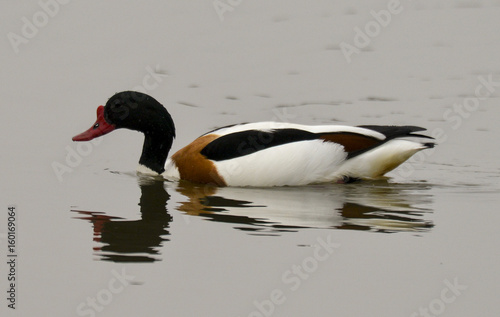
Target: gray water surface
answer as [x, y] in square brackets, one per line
[94, 239]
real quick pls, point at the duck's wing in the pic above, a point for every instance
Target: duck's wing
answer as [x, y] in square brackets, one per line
[246, 142]
[240, 140]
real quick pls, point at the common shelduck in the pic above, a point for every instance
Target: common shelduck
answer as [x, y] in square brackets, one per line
[257, 154]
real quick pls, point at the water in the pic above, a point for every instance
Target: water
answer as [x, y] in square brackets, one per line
[96, 239]
[374, 206]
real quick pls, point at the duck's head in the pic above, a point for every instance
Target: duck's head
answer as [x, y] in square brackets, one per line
[140, 112]
[131, 110]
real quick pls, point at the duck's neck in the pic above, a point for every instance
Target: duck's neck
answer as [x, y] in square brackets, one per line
[155, 151]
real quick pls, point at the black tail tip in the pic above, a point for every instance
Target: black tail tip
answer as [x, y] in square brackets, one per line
[429, 145]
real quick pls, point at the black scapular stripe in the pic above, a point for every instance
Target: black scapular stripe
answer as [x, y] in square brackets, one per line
[247, 142]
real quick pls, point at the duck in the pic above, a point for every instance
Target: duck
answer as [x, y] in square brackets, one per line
[260, 154]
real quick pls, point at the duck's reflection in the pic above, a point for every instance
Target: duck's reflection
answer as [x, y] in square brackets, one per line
[375, 206]
[122, 240]
[371, 206]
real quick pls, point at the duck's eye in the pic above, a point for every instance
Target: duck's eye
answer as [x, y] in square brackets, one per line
[96, 126]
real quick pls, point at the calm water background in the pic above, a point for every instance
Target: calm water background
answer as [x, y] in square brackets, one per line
[426, 238]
